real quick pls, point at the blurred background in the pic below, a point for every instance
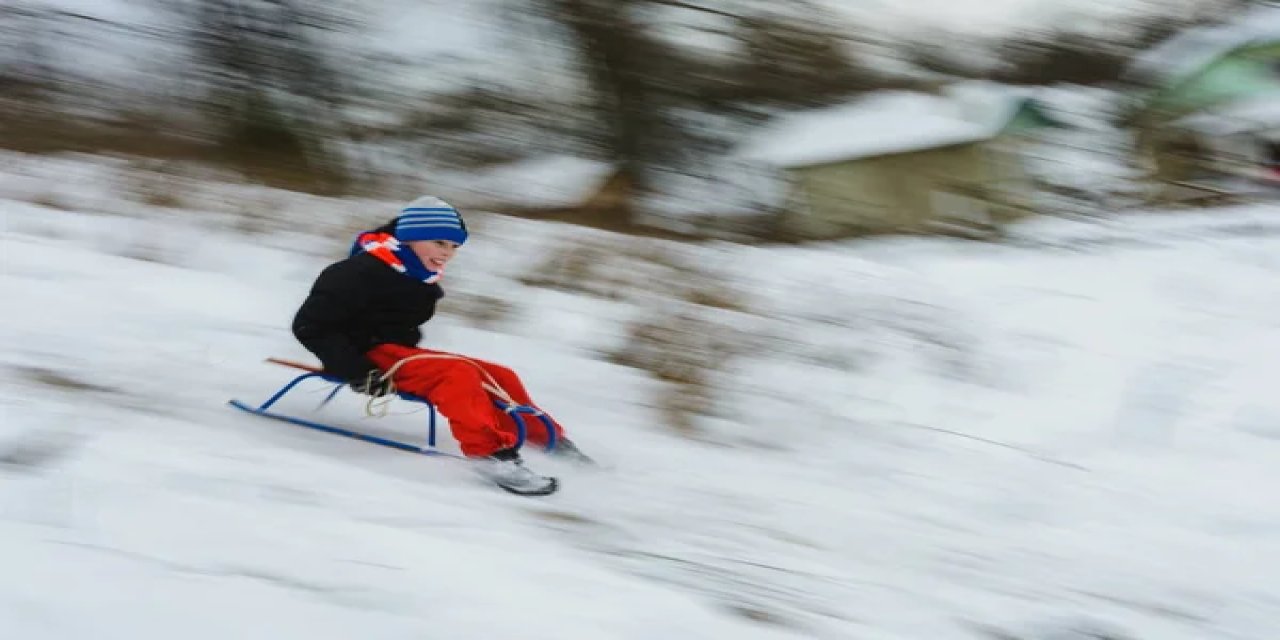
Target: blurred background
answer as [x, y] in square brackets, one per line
[733, 118]
[918, 319]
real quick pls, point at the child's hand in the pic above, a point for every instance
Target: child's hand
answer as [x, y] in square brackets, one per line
[372, 384]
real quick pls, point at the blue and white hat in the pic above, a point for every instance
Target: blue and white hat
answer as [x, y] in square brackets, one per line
[430, 218]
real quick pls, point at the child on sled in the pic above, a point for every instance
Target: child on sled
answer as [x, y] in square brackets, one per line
[362, 318]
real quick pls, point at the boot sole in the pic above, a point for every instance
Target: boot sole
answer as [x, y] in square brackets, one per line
[551, 488]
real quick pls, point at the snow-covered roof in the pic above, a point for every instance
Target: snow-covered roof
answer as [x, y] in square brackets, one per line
[1192, 49]
[542, 181]
[884, 123]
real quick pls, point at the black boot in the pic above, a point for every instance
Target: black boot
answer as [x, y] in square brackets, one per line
[567, 450]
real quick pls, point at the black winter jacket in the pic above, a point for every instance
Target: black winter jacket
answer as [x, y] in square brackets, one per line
[359, 303]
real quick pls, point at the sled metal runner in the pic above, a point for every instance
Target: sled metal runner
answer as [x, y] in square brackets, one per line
[264, 410]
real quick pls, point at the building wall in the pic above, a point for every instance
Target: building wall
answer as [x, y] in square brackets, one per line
[972, 185]
[1011, 188]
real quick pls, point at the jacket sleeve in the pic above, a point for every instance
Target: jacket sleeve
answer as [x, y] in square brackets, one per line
[336, 298]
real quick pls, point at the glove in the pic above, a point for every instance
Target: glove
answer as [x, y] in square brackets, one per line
[372, 384]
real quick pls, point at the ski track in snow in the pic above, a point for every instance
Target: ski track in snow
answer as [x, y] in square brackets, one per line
[1098, 456]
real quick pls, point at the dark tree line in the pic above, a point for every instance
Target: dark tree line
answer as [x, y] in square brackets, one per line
[268, 88]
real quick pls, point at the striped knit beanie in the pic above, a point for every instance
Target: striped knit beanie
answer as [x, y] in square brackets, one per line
[430, 218]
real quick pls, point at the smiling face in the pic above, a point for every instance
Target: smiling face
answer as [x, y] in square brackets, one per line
[434, 253]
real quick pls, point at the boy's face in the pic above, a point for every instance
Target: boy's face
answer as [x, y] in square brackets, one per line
[434, 253]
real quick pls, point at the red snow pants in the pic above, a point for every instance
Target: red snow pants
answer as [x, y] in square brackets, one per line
[456, 384]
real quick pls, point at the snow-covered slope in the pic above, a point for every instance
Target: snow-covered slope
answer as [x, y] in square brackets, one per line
[1067, 435]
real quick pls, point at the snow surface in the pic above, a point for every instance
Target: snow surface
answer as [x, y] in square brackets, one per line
[1251, 114]
[1071, 435]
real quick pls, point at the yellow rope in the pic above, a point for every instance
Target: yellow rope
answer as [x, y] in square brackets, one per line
[379, 406]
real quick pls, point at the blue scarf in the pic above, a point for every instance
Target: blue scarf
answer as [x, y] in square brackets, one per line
[386, 248]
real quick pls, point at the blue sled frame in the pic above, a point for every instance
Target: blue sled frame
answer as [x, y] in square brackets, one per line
[263, 410]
